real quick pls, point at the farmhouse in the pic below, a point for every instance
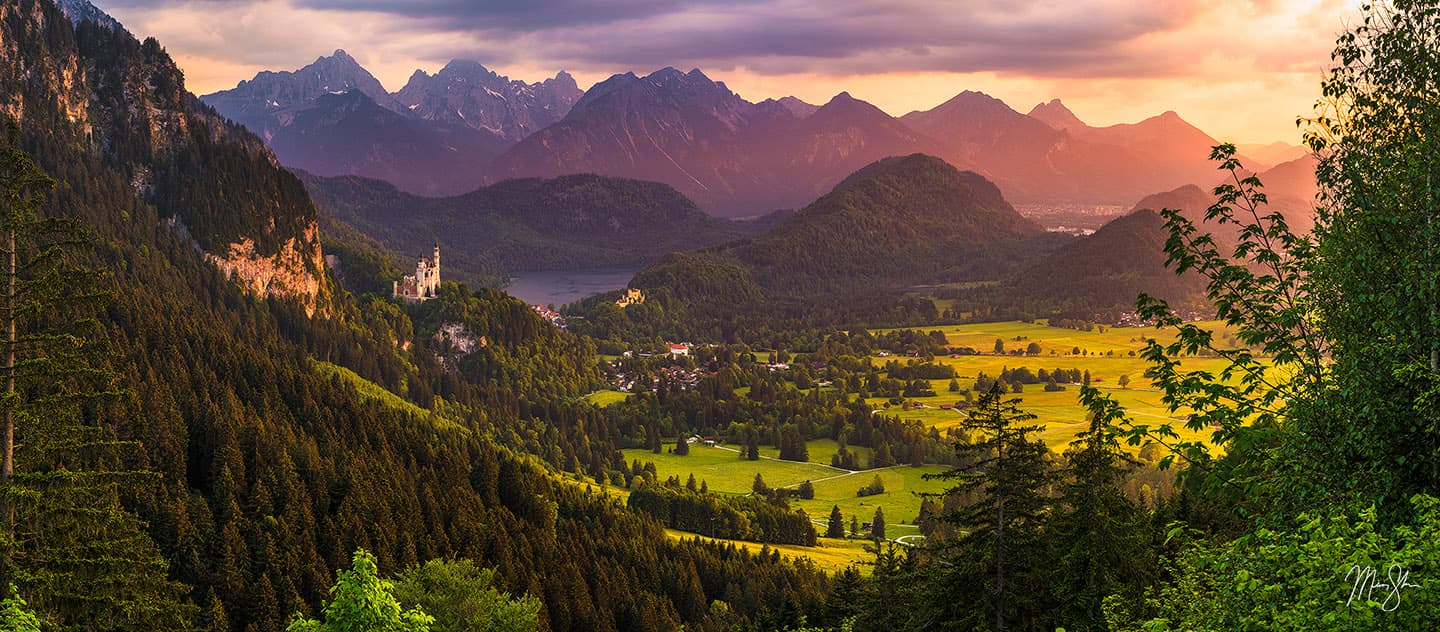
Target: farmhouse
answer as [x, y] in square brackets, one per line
[678, 350]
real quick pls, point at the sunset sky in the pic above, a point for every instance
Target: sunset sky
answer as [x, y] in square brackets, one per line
[1240, 70]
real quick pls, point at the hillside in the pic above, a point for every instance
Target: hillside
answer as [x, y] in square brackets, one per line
[847, 257]
[267, 456]
[1104, 272]
[570, 222]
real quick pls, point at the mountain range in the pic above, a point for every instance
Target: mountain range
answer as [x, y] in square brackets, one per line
[435, 136]
[465, 126]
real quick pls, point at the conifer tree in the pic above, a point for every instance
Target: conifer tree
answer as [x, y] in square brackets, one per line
[1007, 477]
[836, 527]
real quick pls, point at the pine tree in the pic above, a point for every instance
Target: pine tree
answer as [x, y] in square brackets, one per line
[1104, 547]
[836, 527]
[1007, 477]
[877, 525]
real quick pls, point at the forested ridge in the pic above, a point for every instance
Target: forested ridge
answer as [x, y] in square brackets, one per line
[569, 222]
[272, 473]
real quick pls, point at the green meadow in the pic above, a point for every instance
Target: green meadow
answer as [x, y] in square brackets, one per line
[1106, 355]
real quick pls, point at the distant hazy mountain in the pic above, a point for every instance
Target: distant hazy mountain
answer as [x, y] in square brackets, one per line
[576, 221]
[797, 107]
[269, 102]
[435, 137]
[1052, 156]
[466, 93]
[731, 156]
[1274, 153]
[349, 134]
[1106, 271]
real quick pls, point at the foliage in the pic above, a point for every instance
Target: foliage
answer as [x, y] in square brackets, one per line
[756, 519]
[362, 601]
[1320, 569]
[1374, 272]
[461, 596]
[14, 617]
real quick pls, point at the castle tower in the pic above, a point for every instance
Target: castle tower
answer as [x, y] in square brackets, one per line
[424, 284]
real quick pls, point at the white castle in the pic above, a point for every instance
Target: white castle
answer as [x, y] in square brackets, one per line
[424, 284]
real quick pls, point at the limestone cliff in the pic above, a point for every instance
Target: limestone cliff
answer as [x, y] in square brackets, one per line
[91, 84]
[293, 272]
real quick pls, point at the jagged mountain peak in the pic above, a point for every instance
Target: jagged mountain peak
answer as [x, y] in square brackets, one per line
[795, 106]
[1056, 115]
[974, 100]
[81, 10]
[464, 92]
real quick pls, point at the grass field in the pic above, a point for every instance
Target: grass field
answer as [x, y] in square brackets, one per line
[724, 471]
[1060, 412]
[606, 398]
[830, 556]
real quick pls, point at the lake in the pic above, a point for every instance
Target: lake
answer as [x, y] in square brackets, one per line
[542, 287]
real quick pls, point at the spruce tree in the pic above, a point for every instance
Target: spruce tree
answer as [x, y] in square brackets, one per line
[836, 527]
[1006, 478]
[1101, 535]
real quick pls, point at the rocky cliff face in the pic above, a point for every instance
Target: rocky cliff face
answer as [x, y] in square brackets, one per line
[293, 272]
[92, 84]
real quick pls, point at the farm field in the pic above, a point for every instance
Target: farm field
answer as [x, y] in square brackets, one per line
[830, 556]
[1060, 412]
[1106, 355]
[725, 472]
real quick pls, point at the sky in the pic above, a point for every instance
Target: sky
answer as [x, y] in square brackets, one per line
[1242, 70]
